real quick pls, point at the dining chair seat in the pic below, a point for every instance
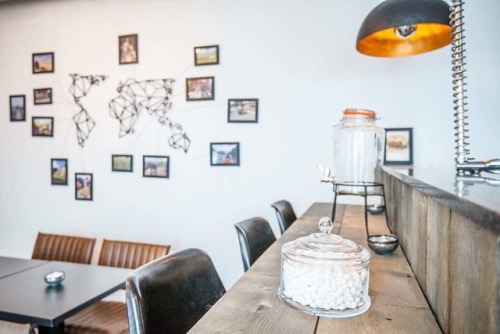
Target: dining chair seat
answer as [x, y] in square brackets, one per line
[255, 236]
[104, 317]
[110, 317]
[285, 214]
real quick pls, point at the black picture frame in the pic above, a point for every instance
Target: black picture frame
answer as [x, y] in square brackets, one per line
[128, 49]
[122, 163]
[84, 186]
[43, 62]
[242, 110]
[42, 126]
[17, 108]
[156, 166]
[59, 172]
[206, 55]
[200, 89]
[225, 154]
[42, 96]
[398, 146]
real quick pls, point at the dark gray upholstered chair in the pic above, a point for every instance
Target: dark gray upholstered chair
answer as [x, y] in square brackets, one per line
[171, 294]
[255, 236]
[285, 214]
[110, 317]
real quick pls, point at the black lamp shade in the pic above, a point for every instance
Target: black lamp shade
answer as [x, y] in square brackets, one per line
[430, 18]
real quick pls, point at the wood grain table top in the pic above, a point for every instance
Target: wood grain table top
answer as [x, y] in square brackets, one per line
[253, 306]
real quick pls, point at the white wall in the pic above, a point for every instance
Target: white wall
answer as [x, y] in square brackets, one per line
[297, 57]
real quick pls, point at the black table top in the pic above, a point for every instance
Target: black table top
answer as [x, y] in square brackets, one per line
[25, 297]
[12, 265]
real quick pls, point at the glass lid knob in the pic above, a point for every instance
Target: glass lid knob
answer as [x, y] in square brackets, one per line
[325, 225]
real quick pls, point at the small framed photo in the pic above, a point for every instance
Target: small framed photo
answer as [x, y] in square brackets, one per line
[17, 108]
[206, 55]
[43, 62]
[42, 96]
[128, 49]
[224, 154]
[122, 163]
[59, 171]
[242, 110]
[42, 126]
[84, 186]
[155, 166]
[199, 89]
[398, 146]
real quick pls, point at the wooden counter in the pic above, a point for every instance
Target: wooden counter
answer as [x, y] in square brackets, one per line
[252, 304]
[449, 228]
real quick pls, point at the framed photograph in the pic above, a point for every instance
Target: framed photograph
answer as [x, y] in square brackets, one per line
[42, 96]
[59, 171]
[224, 154]
[43, 62]
[122, 163]
[206, 55]
[84, 186]
[128, 49]
[42, 126]
[17, 108]
[199, 89]
[155, 166]
[242, 110]
[398, 146]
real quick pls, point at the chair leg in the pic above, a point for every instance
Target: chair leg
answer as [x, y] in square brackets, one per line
[32, 329]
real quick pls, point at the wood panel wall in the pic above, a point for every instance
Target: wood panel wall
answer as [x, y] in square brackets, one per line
[456, 260]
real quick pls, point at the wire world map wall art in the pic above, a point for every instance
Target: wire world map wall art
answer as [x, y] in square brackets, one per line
[79, 88]
[154, 96]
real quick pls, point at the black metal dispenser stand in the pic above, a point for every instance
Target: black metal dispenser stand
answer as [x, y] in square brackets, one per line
[345, 188]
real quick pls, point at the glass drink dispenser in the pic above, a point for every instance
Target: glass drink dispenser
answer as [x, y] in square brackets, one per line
[357, 148]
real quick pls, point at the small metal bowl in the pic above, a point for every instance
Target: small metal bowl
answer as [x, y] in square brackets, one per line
[55, 278]
[383, 244]
[375, 209]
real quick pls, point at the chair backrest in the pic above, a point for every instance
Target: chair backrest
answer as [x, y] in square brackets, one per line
[284, 212]
[170, 294]
[55, 247]
[131, 255]
[255, 236]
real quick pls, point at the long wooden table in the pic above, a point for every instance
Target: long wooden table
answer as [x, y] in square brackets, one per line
[252, 304]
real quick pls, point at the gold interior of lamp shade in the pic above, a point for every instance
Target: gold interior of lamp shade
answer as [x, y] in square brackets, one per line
[386, 43]
[397, 28]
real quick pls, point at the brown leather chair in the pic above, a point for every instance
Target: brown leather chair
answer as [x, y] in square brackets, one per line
[55, 247]
[255, 236]
[110, 317]
[171, 294]
[285, 214]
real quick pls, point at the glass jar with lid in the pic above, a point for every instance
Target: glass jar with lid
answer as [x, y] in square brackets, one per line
[325, 275]
[357, 147]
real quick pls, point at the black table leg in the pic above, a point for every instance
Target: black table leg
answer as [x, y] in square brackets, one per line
[58, 329]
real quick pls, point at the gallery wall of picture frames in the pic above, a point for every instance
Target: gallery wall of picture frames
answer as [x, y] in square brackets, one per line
[153, 96]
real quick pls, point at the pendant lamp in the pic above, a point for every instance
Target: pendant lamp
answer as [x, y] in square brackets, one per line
[398, 28]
